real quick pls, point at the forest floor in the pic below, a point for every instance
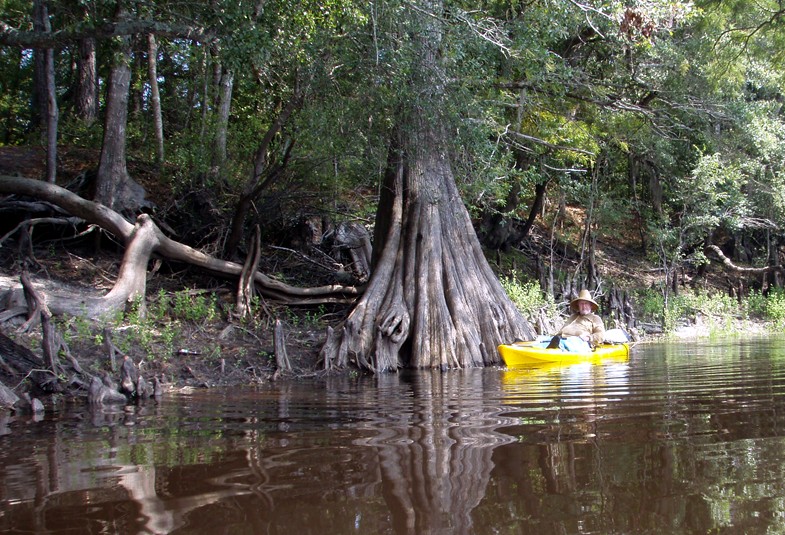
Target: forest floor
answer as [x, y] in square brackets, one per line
[180, 341]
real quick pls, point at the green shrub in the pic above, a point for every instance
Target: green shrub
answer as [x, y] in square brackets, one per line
[528, 298]
[775, 305]
[718, 309]
[196, 308]
[755, 305]
[651, 304]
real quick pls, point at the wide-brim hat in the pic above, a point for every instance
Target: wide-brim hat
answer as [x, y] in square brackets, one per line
[583, 296]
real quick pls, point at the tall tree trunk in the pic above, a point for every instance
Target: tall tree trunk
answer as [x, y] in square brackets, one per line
[205, 101]
[539, 198]
[86, 90]
[155, 97]
[48, 99]
[38, 96]
[222, 122]
[112, 168]
[433, 300]
[86, 82]
[114, 186]
[9, 119]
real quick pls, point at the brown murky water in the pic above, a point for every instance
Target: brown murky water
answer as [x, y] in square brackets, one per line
[679, 439]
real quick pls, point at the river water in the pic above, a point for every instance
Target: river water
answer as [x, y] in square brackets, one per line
[680, 438]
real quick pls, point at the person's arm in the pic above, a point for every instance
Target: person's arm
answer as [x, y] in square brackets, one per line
[571, 319]
[598, 330]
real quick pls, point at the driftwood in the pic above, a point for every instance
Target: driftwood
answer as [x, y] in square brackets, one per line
[101, 393]
[621, 310]
[355, 239]
[8, 398]
[23, 363]
[19, 363]
[283, 364]
[39, 311]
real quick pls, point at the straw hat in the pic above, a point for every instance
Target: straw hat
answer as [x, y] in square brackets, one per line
[583, 296]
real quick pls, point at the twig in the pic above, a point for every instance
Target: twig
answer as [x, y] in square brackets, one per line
[29, 373]
[304, 257]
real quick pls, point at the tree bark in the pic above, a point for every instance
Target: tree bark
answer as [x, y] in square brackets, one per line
[246, 287]
[112, 170]
[86, 82]
[222, 122]
[86, 90]
[52, 119]
[155, 98]
[114, 186]
[432, 300]
[282, 362]
[777, 269]
[49, 337]
[262, 175]
[539, 198]
[47, 96]
[18, 359]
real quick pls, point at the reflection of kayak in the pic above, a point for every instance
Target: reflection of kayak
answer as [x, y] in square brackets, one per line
[532, 353]
[537, 371]
[543, 380]
[544, 368]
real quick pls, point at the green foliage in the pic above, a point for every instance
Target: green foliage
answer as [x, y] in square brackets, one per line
[674, 119]
[716, 310]
[775, 306]
[528, 298]
[155, 328]
[196, 308]
[308, 318]
[650, 304]
[756, 304]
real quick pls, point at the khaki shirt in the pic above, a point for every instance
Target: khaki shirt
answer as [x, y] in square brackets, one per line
[590, 324]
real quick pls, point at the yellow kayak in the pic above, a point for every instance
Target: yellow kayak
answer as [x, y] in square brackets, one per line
[531, 353]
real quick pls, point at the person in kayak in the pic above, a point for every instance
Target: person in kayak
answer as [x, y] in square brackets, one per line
[584, 329]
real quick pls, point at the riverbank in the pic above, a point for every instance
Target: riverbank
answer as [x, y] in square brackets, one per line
[216, 351]
[189, 336]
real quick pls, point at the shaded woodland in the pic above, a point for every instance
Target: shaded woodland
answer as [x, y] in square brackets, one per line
[381, 166]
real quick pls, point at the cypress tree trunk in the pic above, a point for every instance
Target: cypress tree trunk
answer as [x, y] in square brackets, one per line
[222, 122]
[433, 300]
[48, 99]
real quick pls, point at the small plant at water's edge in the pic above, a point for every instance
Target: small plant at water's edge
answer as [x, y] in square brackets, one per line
[774, 309]
[528, 298]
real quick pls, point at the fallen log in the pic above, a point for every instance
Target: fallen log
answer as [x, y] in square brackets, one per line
[742, 269]
[156, 242]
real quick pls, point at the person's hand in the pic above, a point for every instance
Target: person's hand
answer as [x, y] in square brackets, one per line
[585, 337]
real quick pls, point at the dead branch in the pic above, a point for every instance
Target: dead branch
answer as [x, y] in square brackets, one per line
[245, 290]
[740, 269]
[38, 308]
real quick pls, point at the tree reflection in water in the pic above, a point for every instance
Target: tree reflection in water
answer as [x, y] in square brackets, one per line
[436, 460]
[674, 444]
